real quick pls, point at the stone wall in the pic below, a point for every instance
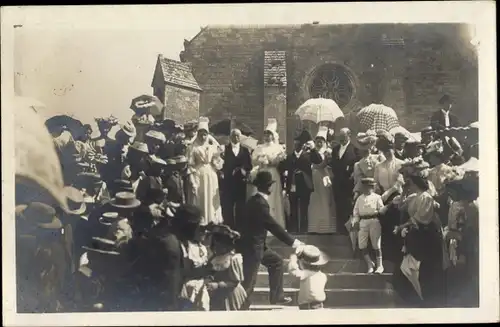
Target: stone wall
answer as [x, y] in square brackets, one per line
[228, 63]
[181, 105]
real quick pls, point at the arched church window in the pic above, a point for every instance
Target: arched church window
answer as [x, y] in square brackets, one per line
[332, 82]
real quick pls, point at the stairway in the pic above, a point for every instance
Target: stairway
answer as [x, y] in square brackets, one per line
[348, 285]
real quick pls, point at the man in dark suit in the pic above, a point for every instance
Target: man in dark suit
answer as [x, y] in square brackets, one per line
[344, 156]
[237, 166]
[443, 118]
[258, 221]
[299, 185]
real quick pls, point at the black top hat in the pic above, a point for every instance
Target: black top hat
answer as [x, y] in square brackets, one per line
[263, 179]
[41, 214]
[445, 99]
[125, 200]
[102, 245]
[75, 200]
[304, 137]
[188, 213]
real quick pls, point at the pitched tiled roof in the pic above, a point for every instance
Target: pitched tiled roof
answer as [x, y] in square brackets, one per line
[178, 73]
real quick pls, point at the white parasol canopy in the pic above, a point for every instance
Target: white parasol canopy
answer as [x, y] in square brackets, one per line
[319, 110]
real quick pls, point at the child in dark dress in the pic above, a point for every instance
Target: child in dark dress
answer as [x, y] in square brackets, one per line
[226, 290]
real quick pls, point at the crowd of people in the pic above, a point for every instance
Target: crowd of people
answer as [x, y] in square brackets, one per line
[166, 218]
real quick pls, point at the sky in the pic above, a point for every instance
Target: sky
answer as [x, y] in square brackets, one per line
[91, 62]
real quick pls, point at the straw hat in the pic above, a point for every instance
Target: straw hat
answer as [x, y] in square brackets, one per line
[34, 145]
[103, 246]
[75, 200]
[125, 200]
[368, 181]
[203, 124]
[139, 147]
[313, 256]
[129, 129]
[156, 135]
[41, 214]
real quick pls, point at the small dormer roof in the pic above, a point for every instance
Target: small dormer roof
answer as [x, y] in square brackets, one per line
[177, 73]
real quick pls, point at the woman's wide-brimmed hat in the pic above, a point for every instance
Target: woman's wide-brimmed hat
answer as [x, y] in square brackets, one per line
[263, 179]
[467, 187]
[152, 134]
[75, 200]
[203, 124]
[369, 181]
[40, 214]
[139, 147]
[102, 246]
[122, 185]
[125, 200]
[223, 233]
[366, 140]
[384, 139]
[313, 256]
[188, 213]
[415, 167]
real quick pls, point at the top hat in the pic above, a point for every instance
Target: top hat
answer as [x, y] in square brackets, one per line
[272, 125]
[75, 200]
[313, 256]
[41, 214]
[368, 181]
[129, 129]
[203, 123]
[263, 179]
[139, 147]
[322, 132]
[188, 213]
[152, 134]
[102, 245]
[304, 137]
[125, 200]
[400, 136]
[445, 99]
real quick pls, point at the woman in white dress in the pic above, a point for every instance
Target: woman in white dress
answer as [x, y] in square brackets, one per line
[320, 213]
[267, 156]
[203, 163]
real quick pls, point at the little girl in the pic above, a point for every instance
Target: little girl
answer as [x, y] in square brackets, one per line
[224, 286]
[306, 264]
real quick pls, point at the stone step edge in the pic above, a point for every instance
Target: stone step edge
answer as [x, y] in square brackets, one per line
[338, 274]
[329, 290]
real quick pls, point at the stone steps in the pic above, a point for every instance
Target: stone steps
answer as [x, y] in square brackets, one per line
[336, 266]
[335, 298]
[336, 280]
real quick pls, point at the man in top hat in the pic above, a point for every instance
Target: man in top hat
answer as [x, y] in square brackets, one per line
[176, 179]
[444, 118]
[42, 260]
[258, 221]
[299, 184]
[399, 145]
[237, 165]
[344, 157]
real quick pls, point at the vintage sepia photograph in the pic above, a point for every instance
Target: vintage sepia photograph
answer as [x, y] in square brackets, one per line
[240, 162]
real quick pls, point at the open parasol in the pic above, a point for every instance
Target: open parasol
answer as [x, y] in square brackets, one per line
[147, 103]
[319, 110]
[378, 117]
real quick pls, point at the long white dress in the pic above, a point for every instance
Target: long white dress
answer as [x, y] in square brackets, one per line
[266, 157]
[321, 210]
[204, 161]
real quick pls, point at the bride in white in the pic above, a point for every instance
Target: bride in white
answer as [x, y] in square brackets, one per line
[267, 156]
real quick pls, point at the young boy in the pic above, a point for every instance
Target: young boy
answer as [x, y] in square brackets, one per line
[366, 211]
[306, 264]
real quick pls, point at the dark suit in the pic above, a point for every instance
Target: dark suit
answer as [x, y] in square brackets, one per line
[400, 155]
[175, 183]
[438, 120]
[299, 187]
[234, 184]
[343, 183]
[258, 221]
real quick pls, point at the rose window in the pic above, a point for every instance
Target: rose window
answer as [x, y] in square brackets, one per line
[332, 82]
